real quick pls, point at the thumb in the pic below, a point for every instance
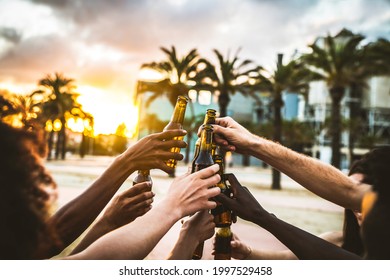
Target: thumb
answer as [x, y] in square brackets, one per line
[226, 201]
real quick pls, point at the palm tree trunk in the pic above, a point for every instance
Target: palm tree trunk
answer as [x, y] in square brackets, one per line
[189, 140]
[354, 118]
[337, 94]
[83, 145]
[277, 136]
[223, 102]
[246, 160]
[63, 143]
[58, 145]
[50, 144]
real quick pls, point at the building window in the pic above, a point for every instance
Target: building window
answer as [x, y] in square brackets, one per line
[192, 94]
[204, 97]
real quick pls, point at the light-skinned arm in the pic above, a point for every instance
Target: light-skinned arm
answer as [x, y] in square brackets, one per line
[195, 230]
[150, 152]
[188, 194]
[123, 209]
[320, 178]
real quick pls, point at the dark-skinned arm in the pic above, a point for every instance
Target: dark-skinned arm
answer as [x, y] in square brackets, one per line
[123, 209]
[150, 152]
[303, 244]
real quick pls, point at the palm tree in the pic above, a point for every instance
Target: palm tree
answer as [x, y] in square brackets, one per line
[192, 124]
[292, 77]
[374, 62]
[335, 60]
[25, 108]
[87, 134]
[60, 102]
[232, 76]
[177, 73]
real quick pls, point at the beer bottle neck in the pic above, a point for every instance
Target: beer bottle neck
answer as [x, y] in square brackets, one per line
[204, 158]
[206, 140]
[179, 111]
[144, 172]
[209, 118]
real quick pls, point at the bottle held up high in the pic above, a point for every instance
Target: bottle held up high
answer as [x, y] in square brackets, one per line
[203, 160]
[176, 122]
[209, 118]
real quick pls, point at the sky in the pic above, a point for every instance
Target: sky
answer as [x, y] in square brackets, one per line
[101, 44]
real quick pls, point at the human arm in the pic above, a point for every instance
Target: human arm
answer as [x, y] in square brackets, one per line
[303, 244]
[188, 194]
[242, 251]
[123, 209]
[149, 152]
[195, 230]
[320, 178]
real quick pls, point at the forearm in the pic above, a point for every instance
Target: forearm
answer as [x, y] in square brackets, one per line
[271, 255]
[134, 240]
[99, 229]
[184, 247]
[73, 218]
[303, 244]
[320, 178]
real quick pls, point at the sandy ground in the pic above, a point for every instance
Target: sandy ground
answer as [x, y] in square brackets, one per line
[293, 203]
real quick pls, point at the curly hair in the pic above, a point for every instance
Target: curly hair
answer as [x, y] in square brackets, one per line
[25, 200]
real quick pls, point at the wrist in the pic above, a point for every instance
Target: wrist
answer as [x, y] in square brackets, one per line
[248, 254]
[259, 147]
[104, 226]
[126, 161]
[170, 210]
[188, 237]
[264, 219]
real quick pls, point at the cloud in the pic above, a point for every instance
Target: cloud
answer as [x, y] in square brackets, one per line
[133, 31]
[10, 34]
[32, 58]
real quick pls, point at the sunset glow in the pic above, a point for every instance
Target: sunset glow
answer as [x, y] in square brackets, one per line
[108, 110]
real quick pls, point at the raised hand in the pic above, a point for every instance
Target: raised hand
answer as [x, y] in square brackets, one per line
[232, 136]
[153, 151]
[240, 250]
[123, 209]
[128, 205]
[191, 192]
[244, 203]
[194, 230]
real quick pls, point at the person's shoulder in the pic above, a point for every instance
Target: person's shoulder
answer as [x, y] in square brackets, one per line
[335, 237]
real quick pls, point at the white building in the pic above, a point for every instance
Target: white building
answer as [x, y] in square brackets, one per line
[375, 104]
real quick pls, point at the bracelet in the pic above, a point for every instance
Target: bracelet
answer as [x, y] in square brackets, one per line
[250, 253]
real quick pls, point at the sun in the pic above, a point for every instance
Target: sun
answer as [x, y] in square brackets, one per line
[109, 110]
